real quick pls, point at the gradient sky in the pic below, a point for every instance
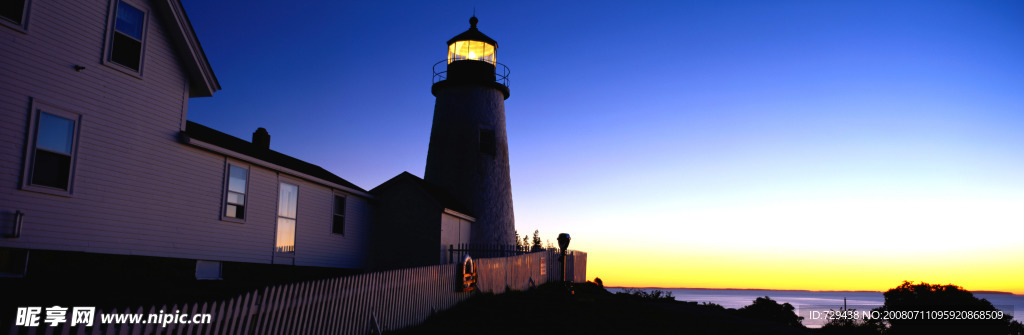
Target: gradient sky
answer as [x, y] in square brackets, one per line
[825, 145]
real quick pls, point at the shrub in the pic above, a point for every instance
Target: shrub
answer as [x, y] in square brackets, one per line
[767, 309]
[653, 295]
[930, 298]
[850, 326]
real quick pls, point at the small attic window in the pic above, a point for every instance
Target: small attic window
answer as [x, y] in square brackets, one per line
[487, 141]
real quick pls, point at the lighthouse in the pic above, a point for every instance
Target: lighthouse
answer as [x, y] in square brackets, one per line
[468, 153]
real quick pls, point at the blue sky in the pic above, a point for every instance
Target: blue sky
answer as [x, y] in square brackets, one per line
[634, 127]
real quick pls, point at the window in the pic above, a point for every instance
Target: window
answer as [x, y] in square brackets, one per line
[13, 12]
[487, 141]
[234, 206]
[51, 165]
[471, 50]
[208, 270]
[13, 262]
[127, 37]
[51, 155]
[338, 227]
[286, 210]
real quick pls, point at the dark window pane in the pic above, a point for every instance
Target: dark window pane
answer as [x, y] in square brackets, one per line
[339, 205]
[129, 20]
[55, 133]
[12, 10]
[339, 225]
[487, 142]
[126, 51]
[12, 261]
[51, 169]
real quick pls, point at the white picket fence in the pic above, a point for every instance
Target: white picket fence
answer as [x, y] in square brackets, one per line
[387, 300]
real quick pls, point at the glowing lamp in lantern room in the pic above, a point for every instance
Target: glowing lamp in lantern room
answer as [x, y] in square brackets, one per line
[472, 58]
[472, 45]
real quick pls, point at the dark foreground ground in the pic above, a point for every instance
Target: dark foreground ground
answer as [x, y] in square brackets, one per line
[550, 309]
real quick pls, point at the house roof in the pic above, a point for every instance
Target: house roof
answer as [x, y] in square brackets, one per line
[202, 81]
[208, 135]
[437, 193]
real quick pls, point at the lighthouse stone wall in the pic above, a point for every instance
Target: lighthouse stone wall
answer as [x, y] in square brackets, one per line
[472, 174]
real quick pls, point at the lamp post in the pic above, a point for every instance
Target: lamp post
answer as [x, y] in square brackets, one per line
[563, 243]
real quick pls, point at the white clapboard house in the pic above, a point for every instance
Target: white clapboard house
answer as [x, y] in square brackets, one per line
[99, 164]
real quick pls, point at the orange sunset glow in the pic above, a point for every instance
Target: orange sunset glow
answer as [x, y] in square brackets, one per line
[785, 243]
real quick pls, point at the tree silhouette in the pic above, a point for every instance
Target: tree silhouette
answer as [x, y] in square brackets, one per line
[767, 309]
[852, 326]
[927, 308]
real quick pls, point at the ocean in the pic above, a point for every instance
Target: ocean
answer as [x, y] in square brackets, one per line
[806, 302]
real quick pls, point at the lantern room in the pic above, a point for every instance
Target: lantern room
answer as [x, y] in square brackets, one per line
[472, 45]
[473, 59]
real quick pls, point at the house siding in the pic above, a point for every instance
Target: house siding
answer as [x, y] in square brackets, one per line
[136, 189]
[315, 244]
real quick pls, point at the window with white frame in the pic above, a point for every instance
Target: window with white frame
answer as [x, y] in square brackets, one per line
[127, 37]
[14, 13]
[50, 162]
[237, 184]
[287, 205]
[338, 225]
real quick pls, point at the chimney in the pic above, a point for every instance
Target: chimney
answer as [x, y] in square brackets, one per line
[261, 138]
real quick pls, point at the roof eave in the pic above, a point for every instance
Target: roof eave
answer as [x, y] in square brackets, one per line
[209, 139]
[202, 81]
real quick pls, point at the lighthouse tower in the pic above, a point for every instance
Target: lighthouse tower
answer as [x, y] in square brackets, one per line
[468, 154]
